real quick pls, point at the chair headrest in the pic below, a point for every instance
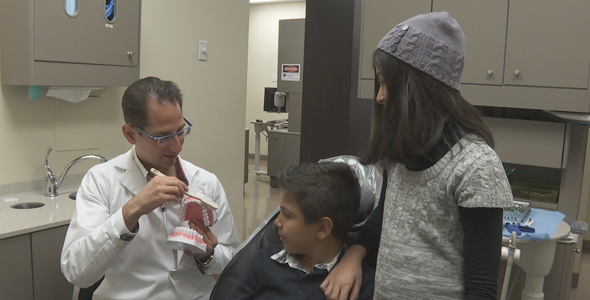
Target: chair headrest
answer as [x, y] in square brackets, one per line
[369, 180]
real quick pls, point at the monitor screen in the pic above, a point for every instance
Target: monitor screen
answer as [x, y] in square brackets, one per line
[269, 100]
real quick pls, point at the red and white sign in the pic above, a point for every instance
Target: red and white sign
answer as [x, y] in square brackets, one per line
[290, 72]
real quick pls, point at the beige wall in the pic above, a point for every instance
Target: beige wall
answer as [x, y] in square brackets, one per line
[214, 93]
[262, 59]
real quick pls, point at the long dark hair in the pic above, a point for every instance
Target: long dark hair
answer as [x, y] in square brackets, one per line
[421, 116]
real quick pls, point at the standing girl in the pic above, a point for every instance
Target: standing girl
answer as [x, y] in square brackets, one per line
[437, 233]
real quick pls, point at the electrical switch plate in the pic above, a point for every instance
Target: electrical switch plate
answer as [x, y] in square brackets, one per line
[203, 50]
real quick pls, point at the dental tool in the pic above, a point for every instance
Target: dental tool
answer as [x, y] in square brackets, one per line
[204, 200]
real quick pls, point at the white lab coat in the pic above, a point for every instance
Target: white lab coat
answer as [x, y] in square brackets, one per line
[144, 268]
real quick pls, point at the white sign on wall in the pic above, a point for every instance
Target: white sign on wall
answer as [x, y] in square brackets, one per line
[290, 72]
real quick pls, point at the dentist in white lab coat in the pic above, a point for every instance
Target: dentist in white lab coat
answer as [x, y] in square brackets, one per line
[124, 216]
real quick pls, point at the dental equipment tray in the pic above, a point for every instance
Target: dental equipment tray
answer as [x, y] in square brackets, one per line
[518, 228]
[518, 213]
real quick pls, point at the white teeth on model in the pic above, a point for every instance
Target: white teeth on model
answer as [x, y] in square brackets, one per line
[190, 232]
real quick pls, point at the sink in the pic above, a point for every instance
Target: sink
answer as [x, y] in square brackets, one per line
[27, 205]
[72, 196]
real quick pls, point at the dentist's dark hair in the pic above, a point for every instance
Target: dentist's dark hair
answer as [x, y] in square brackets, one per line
[137, 96]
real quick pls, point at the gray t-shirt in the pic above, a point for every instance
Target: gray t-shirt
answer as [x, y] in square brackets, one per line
[422, 237]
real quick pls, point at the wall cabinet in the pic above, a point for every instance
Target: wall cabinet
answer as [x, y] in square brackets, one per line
[522, 54]
[87, 38]
[42, 44]
[526, 142]
[379, 17]
[484, 25]
[30, 266]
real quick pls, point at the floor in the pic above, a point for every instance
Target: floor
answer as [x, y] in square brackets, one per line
[260, 199]
[582, 292]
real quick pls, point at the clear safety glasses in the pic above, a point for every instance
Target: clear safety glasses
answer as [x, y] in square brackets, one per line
[164, 140]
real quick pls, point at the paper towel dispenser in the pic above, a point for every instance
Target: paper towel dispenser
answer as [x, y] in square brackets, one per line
[44, 45]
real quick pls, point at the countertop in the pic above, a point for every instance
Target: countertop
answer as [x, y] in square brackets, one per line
[56, 212]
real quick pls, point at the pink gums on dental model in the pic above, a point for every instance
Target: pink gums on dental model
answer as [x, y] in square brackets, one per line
[192, 207]
[185, 238]
[188, 239]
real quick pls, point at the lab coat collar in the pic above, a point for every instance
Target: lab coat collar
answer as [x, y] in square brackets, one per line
[132, 179]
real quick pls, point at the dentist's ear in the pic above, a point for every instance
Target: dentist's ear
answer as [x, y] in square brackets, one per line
[129, 133]
[325, 226]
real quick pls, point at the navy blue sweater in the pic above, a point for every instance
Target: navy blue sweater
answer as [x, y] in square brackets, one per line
[266, 278]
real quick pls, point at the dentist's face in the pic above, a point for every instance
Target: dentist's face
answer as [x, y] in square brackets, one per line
[163, 120]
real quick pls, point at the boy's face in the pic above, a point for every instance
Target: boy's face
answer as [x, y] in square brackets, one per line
[297, 236]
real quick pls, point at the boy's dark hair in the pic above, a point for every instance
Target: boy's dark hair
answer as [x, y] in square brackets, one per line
[138, 94]
[327, 189]
[420, 116]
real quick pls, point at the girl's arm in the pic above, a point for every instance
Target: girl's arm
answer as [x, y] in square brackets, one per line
[482, 242]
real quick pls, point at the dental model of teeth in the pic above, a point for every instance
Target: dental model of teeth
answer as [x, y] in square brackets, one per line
[193, 207]
[185, 238]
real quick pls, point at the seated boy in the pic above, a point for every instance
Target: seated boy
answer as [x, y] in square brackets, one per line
[319, 203]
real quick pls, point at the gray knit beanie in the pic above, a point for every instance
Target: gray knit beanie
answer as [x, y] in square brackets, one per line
[432, 43]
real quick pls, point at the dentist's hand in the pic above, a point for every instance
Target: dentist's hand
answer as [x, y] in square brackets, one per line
[208, 237]
[159, 190]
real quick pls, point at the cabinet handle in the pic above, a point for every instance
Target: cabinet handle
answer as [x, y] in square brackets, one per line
[130, 53]
[517, 72]
[578, 251]
[490, 72]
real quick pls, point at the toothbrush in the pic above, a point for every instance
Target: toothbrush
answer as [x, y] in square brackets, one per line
[204, 200]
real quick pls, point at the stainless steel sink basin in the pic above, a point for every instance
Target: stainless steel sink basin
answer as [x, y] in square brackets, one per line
[72, 196]
[27, 205]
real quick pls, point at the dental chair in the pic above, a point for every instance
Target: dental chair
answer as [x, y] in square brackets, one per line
[267, 234]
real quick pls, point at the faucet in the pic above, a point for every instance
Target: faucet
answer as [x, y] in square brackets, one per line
[51, 183]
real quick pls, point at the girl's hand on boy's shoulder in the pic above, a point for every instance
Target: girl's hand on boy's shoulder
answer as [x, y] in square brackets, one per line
[344, 281]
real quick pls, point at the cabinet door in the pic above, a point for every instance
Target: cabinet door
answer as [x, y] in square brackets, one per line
[87, 37]
[527, 142]
[548, 43]
[16, 272]
[379, 17]
[484, 26]
[46, 247]
[283, 151]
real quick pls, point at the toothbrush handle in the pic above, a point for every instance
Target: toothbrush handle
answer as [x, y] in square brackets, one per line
[208, 202]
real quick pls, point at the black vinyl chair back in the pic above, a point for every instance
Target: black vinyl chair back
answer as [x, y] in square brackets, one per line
[264, 236]
[86, 293]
